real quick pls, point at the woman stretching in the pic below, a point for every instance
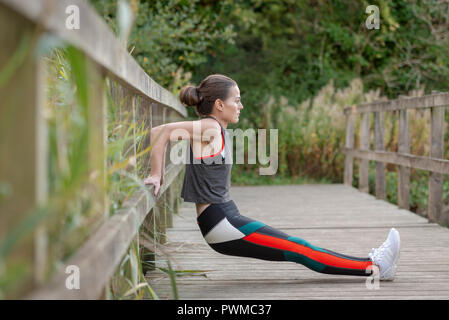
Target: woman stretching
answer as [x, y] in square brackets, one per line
[207, 182]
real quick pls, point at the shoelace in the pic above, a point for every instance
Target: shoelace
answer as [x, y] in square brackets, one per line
[377, 254]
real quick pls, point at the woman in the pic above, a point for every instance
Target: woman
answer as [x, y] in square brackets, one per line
[207, 181]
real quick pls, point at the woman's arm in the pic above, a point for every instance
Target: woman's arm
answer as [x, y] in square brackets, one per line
[174, 131]
[157, 156]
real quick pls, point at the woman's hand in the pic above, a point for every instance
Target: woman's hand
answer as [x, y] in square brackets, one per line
[154, 180]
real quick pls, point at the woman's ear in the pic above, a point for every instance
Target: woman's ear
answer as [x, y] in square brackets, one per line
[219, 104]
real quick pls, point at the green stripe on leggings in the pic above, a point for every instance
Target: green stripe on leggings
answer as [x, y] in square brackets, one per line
[306, 244]
[249, 228]
[299, 258]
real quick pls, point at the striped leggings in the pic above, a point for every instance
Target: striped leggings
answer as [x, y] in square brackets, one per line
[228, 232]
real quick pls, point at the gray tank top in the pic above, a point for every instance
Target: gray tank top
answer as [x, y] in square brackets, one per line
[208, 179]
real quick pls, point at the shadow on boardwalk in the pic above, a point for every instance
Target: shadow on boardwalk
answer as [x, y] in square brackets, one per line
[335, 217]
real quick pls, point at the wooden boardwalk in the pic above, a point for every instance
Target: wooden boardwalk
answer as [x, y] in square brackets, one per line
[335, 217]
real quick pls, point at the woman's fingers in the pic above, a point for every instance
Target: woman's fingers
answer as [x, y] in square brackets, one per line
[149, 180]
[155, 182]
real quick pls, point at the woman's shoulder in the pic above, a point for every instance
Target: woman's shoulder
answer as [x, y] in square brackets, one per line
[210, 123]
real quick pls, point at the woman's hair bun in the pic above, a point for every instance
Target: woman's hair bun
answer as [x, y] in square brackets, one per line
[190, 96]
[203, 97]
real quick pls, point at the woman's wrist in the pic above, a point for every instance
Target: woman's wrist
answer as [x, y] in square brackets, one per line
[155, 175]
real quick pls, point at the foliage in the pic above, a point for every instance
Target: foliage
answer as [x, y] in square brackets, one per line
[172, 37]
[290, 48]
[294, 48]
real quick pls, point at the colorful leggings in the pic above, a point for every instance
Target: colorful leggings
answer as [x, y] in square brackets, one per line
[230, 233]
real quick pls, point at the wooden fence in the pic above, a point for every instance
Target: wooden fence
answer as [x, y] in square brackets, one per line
[24, 147]
[435, 164]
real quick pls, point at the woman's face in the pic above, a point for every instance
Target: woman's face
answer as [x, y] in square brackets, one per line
[232, 106]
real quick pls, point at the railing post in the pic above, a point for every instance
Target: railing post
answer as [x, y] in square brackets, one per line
[163, 201]
[97, 128]
[435, 206]
[135, 103]
[23, 149]
[178, 186]
[152, 223]
[404, 147]
[168, 193]
[148, 256]
[364, 145]
[160, 221]
[379, 146]
[349, 143]
[144, 119]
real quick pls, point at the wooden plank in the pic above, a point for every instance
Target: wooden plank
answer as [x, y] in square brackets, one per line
[379, 146]
[123, 99]
[148, 228]
[435, 206]
[403, 171]
[166, 212]
[108, 53]
[403, 103]
[170, 200]
[144, 119]
[174, 190]
[349, 143]
[421, 269]
[364, 145]
[97, 139]
[41, 241]
[134, 107]
[160, 219]
[406, 160]
[23, 149]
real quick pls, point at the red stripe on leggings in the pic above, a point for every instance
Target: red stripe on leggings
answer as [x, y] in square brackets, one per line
[325, 258]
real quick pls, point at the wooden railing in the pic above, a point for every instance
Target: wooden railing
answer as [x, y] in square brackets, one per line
[24, 147]
[435, 164]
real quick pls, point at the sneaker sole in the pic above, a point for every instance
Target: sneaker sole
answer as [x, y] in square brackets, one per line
[391, 278]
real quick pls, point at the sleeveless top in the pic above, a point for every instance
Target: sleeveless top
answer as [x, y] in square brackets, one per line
[208, 179]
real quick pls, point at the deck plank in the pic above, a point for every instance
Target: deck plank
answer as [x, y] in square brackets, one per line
[333, 216]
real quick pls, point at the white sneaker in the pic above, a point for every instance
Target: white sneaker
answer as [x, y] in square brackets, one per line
[387, 255]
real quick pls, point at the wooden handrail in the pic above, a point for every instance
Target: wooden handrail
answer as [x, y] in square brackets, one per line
[435, 164]
[402, 103]
[406, 160]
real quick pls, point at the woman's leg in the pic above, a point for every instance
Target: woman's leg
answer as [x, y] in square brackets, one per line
[230, 233]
